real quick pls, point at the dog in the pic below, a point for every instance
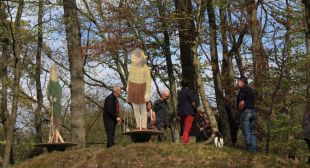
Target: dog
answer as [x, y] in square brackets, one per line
[218, 140]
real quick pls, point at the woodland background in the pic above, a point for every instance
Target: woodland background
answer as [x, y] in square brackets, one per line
[210, 42]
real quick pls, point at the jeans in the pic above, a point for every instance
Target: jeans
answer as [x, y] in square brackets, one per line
[247, 121]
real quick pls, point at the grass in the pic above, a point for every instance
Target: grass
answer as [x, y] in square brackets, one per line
[159, 155]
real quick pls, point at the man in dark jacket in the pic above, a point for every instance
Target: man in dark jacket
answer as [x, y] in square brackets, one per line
[161, 110]
[246, 109]
[111, 115]
[186, 109]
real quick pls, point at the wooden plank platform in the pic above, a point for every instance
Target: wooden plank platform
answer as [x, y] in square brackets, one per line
[142, 135]
[56, 146]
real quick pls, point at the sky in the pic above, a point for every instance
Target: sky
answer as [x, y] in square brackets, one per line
[54, 36]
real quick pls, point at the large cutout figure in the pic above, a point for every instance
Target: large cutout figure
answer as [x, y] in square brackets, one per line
[138, 87]
[54, 93]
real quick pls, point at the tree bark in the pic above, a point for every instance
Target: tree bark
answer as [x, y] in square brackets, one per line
[16, 81]
[38, 112]
[187, 34]
[260, 59]
[201, 8]
[167, 53]
[76, 60]
[307, 19]
[218, 86]
[5, 40]
[228, 84]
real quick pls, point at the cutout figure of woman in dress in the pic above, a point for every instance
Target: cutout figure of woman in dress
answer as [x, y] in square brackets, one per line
[139, 86]
[54, 94]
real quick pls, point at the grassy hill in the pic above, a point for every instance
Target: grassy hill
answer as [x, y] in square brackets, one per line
[157, 155]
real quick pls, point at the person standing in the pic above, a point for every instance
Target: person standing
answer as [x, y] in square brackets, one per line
[151, 117]
[246, 109]
[139, 86]
[111, 115]
[186, 106]
[202, 125]
[161, 110]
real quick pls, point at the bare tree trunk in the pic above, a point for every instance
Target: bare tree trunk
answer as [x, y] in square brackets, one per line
[307, 19]
[173, 88]
[260, 58]
[4, 114]
[4, 68]
[76, 60]
[218, 86]
[203, 96]
[187, 36]
[15, 89]
[201, 6]
[228, 85]
[235, 50]
[38, 112]
[227, 69]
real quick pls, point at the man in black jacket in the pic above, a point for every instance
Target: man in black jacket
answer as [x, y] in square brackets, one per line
[111, 115]
[161, 110]
[246, 109]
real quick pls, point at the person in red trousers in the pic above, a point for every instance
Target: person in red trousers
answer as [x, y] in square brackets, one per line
[186, 106]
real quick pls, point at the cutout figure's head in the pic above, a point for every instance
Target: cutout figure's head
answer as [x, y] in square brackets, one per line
[54, 73]
[138, 57]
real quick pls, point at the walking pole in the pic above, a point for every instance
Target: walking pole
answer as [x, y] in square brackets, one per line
[50, 132]
[51, 136]
[53, 126]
